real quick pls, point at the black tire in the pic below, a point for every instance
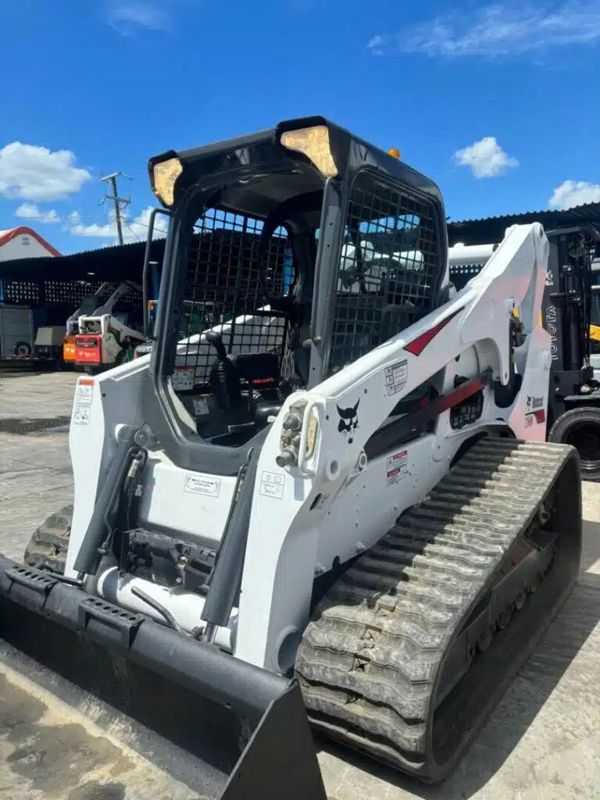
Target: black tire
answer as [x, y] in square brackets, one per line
[48, 546]
[22, 349]
[580, 427]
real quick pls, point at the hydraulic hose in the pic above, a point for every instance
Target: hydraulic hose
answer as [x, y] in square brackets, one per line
[106, 507]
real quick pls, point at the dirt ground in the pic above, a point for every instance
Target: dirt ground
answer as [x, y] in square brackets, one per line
[541, 743]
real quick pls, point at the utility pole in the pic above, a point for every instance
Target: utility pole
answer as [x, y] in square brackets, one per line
[120, 202]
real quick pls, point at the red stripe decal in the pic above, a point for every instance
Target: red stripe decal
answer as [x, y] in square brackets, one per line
[419, 344]
[463, 392]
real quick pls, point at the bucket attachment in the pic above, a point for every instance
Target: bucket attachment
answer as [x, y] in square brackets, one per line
[246, 726]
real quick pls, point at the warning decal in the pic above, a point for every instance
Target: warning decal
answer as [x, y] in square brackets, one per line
[395, 377]
[182, 379]
[81, 414]
[396, 467]
[84, 390]
[271, 484]
[83, 401]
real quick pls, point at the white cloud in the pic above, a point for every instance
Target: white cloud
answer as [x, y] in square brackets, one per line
[92, 230]
[485, 157]
[127, 18]
[498, 30]
[377, 45]
[31, 212]
[32, 172]
[134, 229]
[78, 228]
[138, 226]
[574, 193]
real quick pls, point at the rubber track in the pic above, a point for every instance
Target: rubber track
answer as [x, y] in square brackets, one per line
[370, 656]
[47, 548]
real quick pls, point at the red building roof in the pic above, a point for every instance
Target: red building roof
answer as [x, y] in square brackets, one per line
[11, 233]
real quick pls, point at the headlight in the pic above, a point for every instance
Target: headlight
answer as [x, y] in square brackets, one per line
[314, 143]
[164, 178]
[311, 433]
[298, 436]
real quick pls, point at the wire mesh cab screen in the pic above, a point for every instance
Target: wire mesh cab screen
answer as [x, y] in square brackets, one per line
[461, 274]
[389, 267]
[230, 278]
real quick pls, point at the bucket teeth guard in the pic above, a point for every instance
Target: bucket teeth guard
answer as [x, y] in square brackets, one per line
[247, 727]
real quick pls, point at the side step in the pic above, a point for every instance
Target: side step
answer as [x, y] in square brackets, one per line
[411, 649]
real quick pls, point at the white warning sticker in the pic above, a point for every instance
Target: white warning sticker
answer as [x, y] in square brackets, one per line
[81, 414]
[395, 377]
[202, 484]
[84, 390]
[271, 484]
[201, 406]
[396, 467]
[183, 379]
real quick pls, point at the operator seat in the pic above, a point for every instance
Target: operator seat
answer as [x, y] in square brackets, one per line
[300, 217]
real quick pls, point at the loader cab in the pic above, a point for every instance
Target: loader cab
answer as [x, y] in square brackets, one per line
[308, 247]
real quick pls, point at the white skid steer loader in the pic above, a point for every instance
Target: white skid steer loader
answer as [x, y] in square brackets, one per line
[103, 339]
[351, 508]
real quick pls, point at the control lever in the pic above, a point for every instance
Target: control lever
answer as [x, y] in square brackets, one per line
[224, 376]
[216, 340]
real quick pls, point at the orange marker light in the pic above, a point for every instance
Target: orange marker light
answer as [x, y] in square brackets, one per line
[393, 151]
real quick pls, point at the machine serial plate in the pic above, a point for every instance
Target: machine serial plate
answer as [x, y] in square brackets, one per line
[200, 484]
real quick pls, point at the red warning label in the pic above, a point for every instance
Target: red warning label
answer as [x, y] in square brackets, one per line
[396, 467]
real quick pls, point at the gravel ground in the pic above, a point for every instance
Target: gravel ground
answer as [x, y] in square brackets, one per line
[541, 743]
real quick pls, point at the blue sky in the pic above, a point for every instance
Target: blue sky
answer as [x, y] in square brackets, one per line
[497, 103]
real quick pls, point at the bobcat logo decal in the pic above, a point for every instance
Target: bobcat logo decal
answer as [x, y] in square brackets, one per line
[534, 402]
[348, 422]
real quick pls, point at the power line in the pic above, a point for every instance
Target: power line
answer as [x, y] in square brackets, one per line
[130, 229]
[130, 222]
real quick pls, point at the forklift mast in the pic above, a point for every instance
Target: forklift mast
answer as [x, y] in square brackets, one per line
[566, 310]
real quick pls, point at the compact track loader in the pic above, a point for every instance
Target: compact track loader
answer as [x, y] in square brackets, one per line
[103, 339]
[350, 509]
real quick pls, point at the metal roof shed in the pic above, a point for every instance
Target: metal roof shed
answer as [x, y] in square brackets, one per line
[491, 229]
